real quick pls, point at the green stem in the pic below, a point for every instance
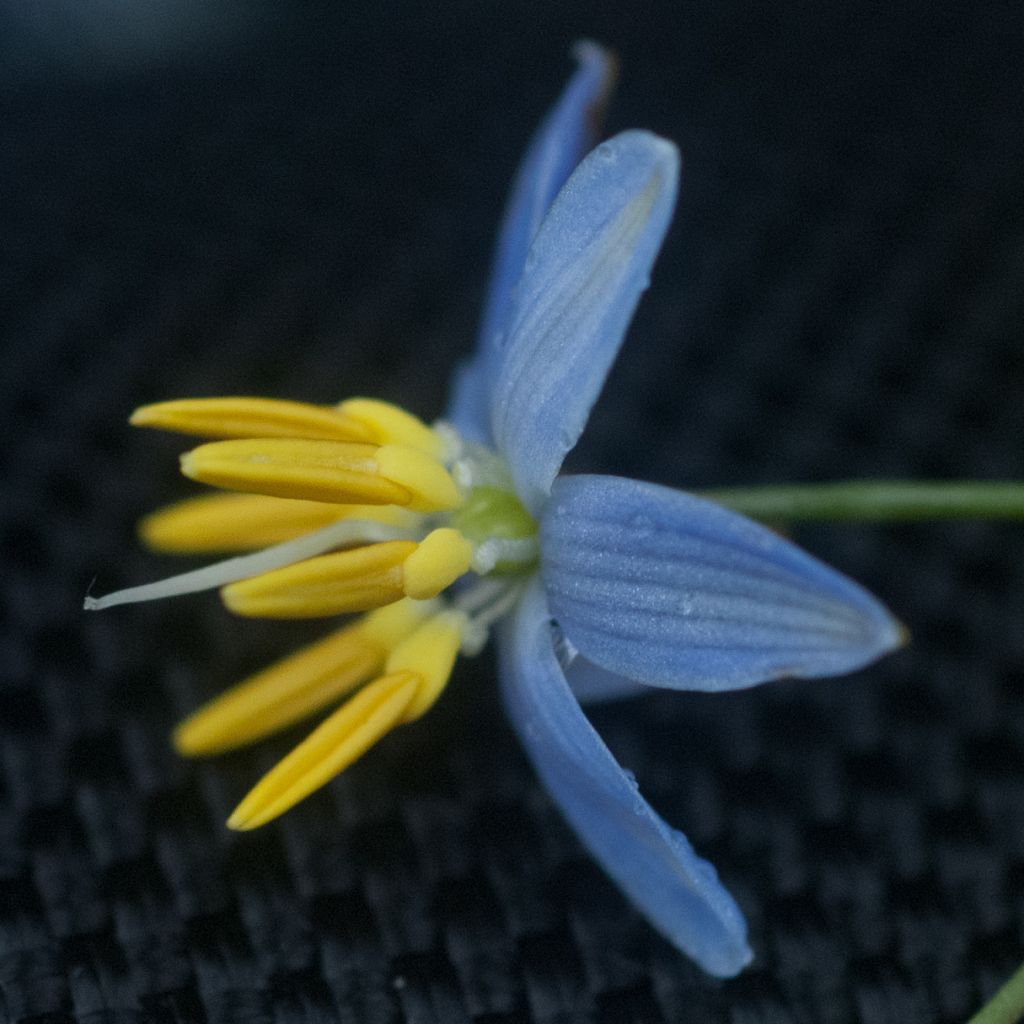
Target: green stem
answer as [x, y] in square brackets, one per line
[1006, 1006]
[877, 500]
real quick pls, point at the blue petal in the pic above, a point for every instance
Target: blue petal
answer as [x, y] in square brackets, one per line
[585, 273]
[655, 865]
[666, 588]
[564, 136]
[468, 402]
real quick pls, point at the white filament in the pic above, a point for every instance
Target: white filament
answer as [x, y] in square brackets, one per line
[484, 604]
[517, 551]
[481, 593]
[451, 442]
[346, 531]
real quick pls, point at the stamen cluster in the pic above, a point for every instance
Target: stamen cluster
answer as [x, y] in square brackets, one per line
[355, 508]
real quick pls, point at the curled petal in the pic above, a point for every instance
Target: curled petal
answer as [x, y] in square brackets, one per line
[584, 275]
[564, 136]
[675, 591]
[655, 865]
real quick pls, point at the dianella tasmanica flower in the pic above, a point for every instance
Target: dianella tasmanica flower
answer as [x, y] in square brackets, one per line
[442, 536]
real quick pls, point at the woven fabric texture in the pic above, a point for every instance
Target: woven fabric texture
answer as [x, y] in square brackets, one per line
[301, 202]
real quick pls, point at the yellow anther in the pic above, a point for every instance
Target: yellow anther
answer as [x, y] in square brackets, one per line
[430, 653]
[302, 683]
[388, 424]
[331, 748]
[333, 471]
[429, 483]
[416, 672]
[247, 522]
[441, 558]
[345, 581]
[388, 626]
[251, 417]
[282, 694]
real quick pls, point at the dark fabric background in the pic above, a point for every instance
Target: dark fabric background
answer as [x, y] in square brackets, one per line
[300, 201]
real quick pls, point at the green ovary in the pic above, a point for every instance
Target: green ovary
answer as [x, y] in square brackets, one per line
[491, 513]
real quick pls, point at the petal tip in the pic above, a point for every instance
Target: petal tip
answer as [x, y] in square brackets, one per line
[641, 144]
[730, 962]
[605, 64]
[587, 51]
[884, 633]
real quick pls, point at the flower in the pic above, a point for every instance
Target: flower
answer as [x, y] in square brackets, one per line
[595, 586]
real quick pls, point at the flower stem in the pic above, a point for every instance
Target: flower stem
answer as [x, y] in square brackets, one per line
[1006, 1006]
[877, 500]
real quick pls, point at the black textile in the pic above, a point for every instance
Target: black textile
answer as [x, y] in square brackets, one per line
[301, 202]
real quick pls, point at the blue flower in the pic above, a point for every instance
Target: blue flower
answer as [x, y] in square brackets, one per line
[595, 586]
